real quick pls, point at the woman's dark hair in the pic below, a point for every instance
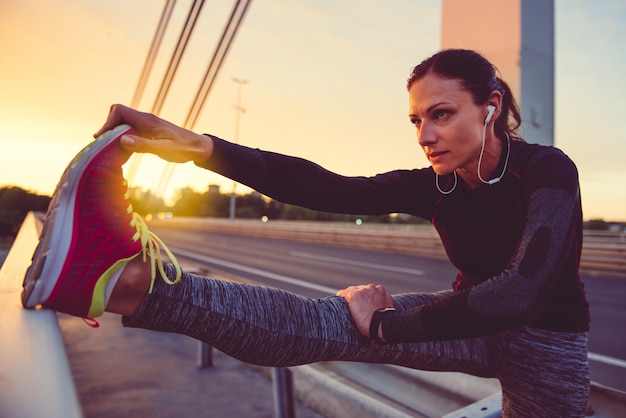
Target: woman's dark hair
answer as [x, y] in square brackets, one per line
[478, 76]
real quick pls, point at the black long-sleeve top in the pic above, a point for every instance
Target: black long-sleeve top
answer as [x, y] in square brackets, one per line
[516, 243]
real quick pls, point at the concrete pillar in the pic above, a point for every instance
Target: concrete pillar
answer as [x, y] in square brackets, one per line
[518, 37]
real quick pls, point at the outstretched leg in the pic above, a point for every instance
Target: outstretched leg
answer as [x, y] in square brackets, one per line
[272, 327]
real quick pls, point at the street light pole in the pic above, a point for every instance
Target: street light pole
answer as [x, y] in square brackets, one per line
[238, 111]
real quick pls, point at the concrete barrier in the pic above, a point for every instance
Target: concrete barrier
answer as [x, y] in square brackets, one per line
[605, 253]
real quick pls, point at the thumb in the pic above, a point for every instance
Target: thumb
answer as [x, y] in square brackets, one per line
[140, 144]
[133, 142]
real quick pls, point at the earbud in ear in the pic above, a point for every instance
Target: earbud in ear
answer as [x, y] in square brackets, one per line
[490, 109]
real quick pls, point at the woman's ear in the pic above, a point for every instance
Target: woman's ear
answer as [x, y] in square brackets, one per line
[495, 100]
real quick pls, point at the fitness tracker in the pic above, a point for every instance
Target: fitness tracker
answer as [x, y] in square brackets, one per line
[375, 323]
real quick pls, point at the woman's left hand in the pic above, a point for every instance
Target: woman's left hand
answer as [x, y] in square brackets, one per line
[158, 136]
[363, 300]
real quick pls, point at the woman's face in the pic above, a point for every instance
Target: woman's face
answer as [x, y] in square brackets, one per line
[449, 124]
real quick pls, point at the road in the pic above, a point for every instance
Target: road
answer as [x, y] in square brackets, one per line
[317, 270]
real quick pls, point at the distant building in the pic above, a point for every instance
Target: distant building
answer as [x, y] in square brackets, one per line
[518, 37]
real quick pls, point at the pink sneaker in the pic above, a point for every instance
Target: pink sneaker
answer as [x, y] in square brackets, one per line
[89, 234]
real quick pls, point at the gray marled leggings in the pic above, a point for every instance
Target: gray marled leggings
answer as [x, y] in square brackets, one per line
[542, 373]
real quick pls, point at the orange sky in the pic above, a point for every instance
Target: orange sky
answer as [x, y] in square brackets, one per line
[326, 82]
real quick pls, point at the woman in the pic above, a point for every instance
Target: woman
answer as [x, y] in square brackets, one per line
[508, 213]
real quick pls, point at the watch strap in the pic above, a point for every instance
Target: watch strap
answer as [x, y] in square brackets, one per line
[377, 317]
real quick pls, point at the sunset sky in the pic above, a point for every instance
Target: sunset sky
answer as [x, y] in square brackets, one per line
[326, 81]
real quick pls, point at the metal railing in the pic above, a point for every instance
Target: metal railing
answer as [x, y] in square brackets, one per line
[35, 378]
[282, 382]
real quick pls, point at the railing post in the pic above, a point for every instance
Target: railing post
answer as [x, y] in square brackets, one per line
[205, 355]
[282, 379]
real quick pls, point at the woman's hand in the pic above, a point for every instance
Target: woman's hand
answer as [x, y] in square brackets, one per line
[363, 300]
[157, 136]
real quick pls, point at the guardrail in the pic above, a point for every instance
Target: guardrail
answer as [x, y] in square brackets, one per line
[602, 252]
[35, 378]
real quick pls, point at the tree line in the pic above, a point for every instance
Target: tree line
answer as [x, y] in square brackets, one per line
[16, 202]
[254, 205]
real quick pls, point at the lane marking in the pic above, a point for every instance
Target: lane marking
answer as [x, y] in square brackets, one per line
[607, 360]
[358, 263]
[252, 270]
[607, 300]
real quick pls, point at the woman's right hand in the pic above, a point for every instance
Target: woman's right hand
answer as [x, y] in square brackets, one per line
[157, 136]
[363, 300]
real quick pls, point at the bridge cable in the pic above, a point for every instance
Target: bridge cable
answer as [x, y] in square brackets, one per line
[208, 80]
[157, 40]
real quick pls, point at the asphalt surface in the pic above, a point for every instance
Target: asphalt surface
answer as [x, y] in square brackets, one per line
[121, 372]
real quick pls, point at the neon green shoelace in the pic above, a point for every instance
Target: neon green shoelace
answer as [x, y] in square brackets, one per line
[151, 245]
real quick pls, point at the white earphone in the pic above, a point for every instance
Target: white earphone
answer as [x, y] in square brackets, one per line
[490, 109]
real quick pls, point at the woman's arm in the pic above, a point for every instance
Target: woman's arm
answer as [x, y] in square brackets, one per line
[519, 294]
[301, 182]
[287, 179]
